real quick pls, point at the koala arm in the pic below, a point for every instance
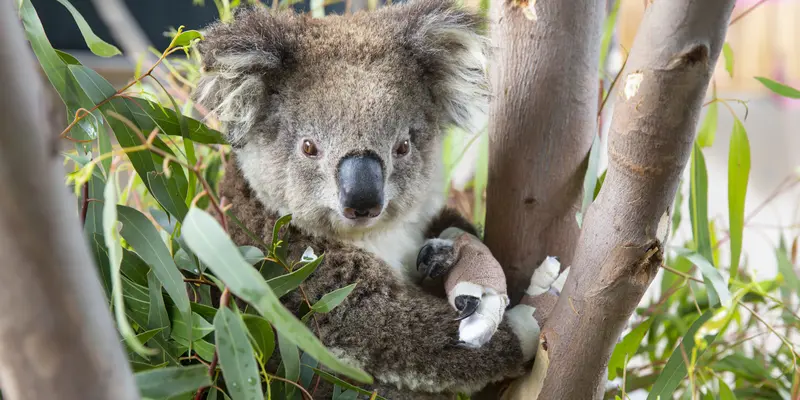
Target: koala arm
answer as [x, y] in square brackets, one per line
[407, 338]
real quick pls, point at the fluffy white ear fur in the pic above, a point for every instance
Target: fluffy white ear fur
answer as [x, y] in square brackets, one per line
[455, 55]
[234, 95]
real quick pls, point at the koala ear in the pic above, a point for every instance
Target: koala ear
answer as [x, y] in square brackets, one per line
[238, 60]
[447, 42]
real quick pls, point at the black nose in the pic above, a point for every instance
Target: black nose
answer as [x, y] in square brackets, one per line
[361, 186]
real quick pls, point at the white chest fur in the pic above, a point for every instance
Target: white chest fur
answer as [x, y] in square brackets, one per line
[397, 247]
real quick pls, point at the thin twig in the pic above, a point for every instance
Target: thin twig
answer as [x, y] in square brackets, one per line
[302, 389]
[679, 273]
[745, 12]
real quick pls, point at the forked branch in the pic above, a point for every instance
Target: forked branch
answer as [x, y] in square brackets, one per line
[621, 245]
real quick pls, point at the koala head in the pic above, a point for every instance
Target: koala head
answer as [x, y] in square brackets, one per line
[338, 121]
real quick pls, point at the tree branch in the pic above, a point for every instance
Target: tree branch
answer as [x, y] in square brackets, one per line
[621, 246]
[542, 120]
[57, 340]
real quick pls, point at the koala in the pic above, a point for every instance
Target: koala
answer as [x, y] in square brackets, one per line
[339, 122]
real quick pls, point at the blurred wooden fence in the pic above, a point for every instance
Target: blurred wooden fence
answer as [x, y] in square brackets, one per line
[766, 42]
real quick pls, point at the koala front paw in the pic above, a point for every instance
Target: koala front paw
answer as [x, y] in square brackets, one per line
[544, 277]
[479, 326]
[436, 257]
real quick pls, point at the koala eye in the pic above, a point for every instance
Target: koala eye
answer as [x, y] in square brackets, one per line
[402, 148]
[309, 148]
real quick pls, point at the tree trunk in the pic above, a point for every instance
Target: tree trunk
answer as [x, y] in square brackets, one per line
[542, 121]
[621, 247]
[57, 340]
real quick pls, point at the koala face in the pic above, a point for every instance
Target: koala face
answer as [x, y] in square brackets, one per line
[338, 121]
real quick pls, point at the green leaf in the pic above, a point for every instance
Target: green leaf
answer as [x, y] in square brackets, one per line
[236, 357]
[725, 392]
[290, 357]
[727, 52]
[589, 179]
[608, 33]
[148, 115]
[738, 176]
[185, 38]
[166, 191]
[214, 247]
[57, 72]
[599, 184]
[676, 209]
[172, 381]
[143, 161]
[698, 204]
[115, 260]
[329, 301]
[276, 230]
[252, 255]
[67, 58]
[145, 336]
[286, 283]
[779, 88]
[786, 269]
[306, 372]
[261, 333]
[338, 382]
[675, 371]
[627, 348]
[708, 130]
[715, 284]
[140, 234]
[743, 367]
[96, 45]
[100, 253]
[200, 328]
[157, 317]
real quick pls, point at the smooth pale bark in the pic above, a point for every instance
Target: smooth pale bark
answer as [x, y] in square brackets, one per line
[57, 340]
[542, 120]
[620, 250]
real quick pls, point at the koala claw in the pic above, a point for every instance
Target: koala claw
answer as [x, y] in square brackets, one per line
[466, 305]
[436, 257]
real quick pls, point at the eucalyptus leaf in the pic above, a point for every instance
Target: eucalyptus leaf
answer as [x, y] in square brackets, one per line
[261, 333]
[779, 88]
[286, 283]
[172, 381]
[727, 52]
[115, 260]
[185, 38]
[157, 317]
[698, 204]
[329, 301]
[290, 357]
[95, 44]
[140, 233]
[236, 357]
[738, 176]
[627, 348]
[589, 179]
[214, 247]
[675, 370]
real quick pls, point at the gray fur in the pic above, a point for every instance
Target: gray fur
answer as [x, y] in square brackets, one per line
[356, 84]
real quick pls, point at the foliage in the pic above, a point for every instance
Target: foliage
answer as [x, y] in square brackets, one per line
[144, 169]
